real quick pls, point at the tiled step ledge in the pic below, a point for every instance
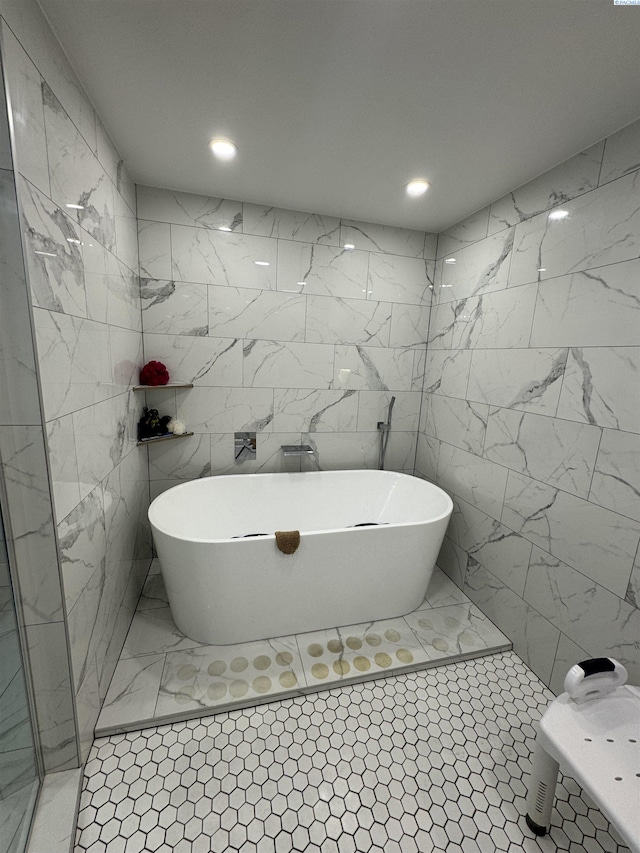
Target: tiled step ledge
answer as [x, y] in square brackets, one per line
[164, 677]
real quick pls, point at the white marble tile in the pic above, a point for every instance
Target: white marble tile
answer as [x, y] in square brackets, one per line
[568, 654]
[76, 175]
[476, 480]
[201, 360]
[528, 379]
[242, 312]
[616, 478]
[154, 249]
[601, 227]
[453, 559]
[597, 384]
[290, 224]
[63, 464]
[598, 307]
[276, 364]
[174, 307]
[534, 638]
[601, 543]
[87, 708]
[126, 224]
[82, 541]
[341, 451]
[476, 269]
[182, 460]
[419, 368]
[572, 178]
[382, 238]
[427, 452]
[103, 437]
[125, 349]
[593, 617]
[314, 411]
[558, 452]
[154, 593]
[463, 423]
[470, 230]
[491, 543]
[443, 592]
[401, 451]
[74, 362]
[126, 187]
[153, 632]
[269, 458]
[133, 691]
[373, 368]
[441, 323]
[633, 589]
[393, 278]
[621, 153]
[216, 257]
[226, 409]
[409, 325]
[112, 289]
[321, 270]
[373, 407]
[359, 651]
[447, 372]
[179, 208]
[54, 258]
[25, 87]
[458, 629]
[54, 821]
[495, 320]
[214, 676]
[348, 321]
[106, 151]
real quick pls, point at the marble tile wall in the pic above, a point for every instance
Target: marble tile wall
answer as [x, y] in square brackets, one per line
[531, 413]
[79, 234]
[283, 329]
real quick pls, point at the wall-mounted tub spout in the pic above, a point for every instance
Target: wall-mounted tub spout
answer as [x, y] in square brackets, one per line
[244, 446]
[384, 427]
[297, 450]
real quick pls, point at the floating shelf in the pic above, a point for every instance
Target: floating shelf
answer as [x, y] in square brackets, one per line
[160, 387]
[155, 438]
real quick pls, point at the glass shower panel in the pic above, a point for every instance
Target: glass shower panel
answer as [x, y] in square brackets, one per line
[19, 778]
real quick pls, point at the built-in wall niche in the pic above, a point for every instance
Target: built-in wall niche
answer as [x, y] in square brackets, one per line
[169, 385]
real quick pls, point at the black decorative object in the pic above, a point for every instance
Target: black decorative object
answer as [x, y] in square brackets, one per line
[151, 425]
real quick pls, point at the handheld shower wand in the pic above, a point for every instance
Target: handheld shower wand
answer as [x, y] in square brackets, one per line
[385, 429]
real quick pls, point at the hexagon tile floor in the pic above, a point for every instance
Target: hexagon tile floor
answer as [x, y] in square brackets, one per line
[426, 761]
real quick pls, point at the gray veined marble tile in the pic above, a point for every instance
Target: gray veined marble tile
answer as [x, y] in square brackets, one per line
[243, 312]
[216, 257]
[274, 364]
[225, 410]
[106, 151]
[476, 480]
[133, 691]
[348, 321]
[491, 544]
[598, 542]
[56, 272]
[180, 208]
[598, 307]
[344, 451]
[373, 368]
[453, 559]
[409, 325]
[201, 360]
[25, 86]
[455, 630]
[315, 411]
[54, 823]
[443, 592]
[479, 268]
[82, 541]
[470, 230]
[269, 458]
[621, 153]
[382, 238]
[154, 250]
[154, 593]
[572, 178]
[427, 452]
[321, 270]
[174, 307]
[373, 407]
[633, 589]
[63, 464]
[182, 460]
[430, 246]
[528, 379]
[419, 368]
[494, 320]
[103, 437]
[461, 422]
[441, 322]
[290, 224]
[590, 615]
[153, 632]
[393, 278]
[126, 224]
[600, 227]
[600, 387]
[76, 174]
[447, 372]
[558, 452]
[616, 478]
[534, 638]
[112, 289]
[568, 654]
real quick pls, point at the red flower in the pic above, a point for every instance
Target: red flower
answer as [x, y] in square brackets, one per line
[154, 373]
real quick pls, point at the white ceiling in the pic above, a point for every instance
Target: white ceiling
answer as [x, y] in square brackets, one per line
[336, 104]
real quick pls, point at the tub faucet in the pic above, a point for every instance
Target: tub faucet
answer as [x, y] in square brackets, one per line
[244, 446]
[297, 450]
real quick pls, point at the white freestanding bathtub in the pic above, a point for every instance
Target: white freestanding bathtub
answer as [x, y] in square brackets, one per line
[227, 585]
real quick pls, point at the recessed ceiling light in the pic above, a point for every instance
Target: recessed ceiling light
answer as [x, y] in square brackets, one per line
[417, 187]
[349, 246]
[558, 214]
[261, 263]
[223, 149]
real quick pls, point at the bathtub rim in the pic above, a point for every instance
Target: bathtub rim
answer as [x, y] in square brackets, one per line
[271, 536]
